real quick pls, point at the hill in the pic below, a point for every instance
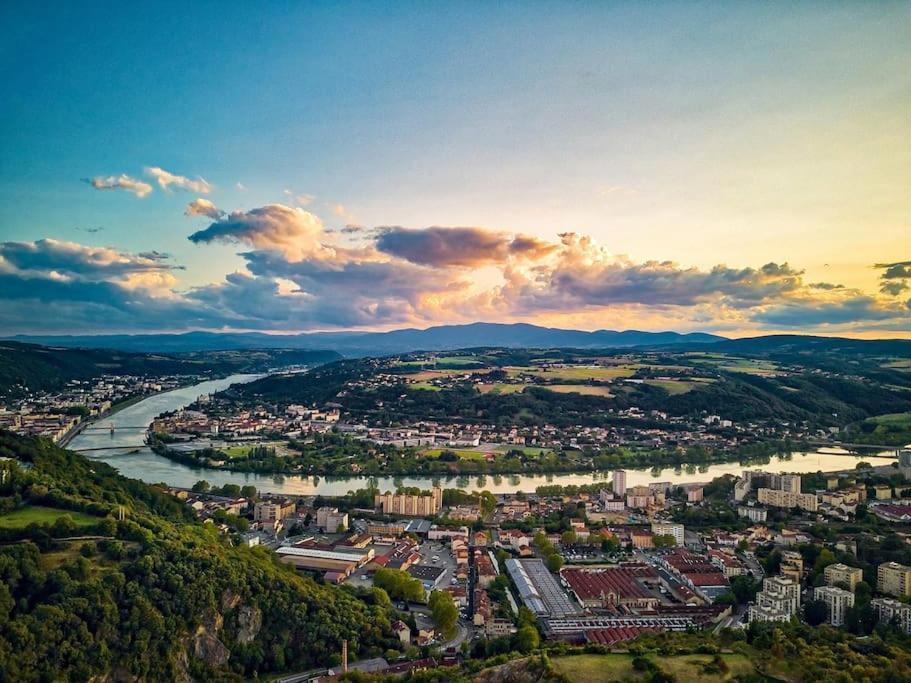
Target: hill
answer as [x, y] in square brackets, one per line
[373, 343]
[156, 596]
[30, 367]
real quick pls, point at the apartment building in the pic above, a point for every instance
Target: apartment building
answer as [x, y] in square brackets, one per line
[837, 600]
[888, 610]
[792, 565]
[331, 520]
[893, 578]
[669, 529]
[787, 499]
[841, 574]
[410, 505]
[272, 510]
[619, 483]
[778, 600]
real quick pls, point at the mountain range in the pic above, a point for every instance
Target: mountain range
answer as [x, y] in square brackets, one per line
[440, 338]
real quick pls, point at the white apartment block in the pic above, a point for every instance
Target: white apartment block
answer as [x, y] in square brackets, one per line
[669, 529]
[887, 610]
[837, 600]
[778, 600]
[838, 574]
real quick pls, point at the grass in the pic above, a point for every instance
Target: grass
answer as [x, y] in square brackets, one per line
[902, 420]
[463, 453]
[673, 386]
[45, 516]
[467, 361]
[617, 667]
[527, 450]
[424, 386]
[584, 389]
[903, 364]
[501, 388]
[576, 373]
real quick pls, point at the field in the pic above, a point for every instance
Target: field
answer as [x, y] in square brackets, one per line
[425, 386]
[427, 375]
[527, 450]
[750, 366]
[903, 364]
[585, 389]
[674, 386]
[894, 420]
[37, 514]
[501, 388]
[463, 453]
[619, 667]
[576, 373]
[467, 361]
[243, 451]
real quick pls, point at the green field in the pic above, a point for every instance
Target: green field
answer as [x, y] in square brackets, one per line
[527, 450]
[501, 388]
[901, 420]
[584, 389]
[425, 386]
[463, 453]
[243, 450]
[619, 667]
[37, 514]
[750, 366]
[468, 361]
[576, 373]
[674, 386]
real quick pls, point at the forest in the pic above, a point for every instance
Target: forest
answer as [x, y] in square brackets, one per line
[155, 595]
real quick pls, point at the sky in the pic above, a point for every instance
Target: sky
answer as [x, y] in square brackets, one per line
[731, 167]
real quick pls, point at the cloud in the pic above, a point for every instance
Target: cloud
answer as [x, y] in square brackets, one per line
[341, 211]
[165, 180]
[893, 277]
[121, 182]
[296, 233]
[302, 199]
[468, 247]
[203, 207]
[239, 186]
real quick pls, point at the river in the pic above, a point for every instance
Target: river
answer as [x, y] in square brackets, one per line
[124, 449]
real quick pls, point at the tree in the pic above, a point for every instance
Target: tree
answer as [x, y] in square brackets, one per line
[554, 562]
[664, 541]
[815, 612]
[444, 613]
[568, 537]
[527, 638]
[201, 486]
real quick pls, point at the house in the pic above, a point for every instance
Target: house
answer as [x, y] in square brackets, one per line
[402, 630]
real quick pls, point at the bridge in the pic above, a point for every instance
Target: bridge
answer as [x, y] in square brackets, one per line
[116, 427]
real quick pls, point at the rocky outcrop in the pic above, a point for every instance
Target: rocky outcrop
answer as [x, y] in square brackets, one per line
[229, 600]
[249, 622]
[207, 647]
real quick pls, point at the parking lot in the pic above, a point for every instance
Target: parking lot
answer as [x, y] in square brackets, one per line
[433, 554]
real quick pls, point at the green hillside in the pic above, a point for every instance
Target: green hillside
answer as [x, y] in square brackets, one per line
[158, 596]
[29, 367]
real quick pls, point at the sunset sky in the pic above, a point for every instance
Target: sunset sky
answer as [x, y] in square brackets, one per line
[740, 168]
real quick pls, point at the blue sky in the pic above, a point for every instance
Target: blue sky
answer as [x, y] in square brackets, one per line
[707, 135]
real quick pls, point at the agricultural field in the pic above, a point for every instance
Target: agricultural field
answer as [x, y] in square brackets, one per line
[584, 389]
[750, 366]
[676, 386]
[463, 453]
[467, 361]
[501, 388]
[45, 516]
[619, 667]
[902, 364]
[424, 386]
[576, 373]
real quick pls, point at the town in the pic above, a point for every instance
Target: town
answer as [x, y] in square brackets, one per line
[596, 566]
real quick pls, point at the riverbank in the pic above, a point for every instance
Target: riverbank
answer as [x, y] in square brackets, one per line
[110, 412]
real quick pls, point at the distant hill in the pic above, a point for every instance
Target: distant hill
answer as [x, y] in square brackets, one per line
[439, 338]
[796, 343]
[33, 367]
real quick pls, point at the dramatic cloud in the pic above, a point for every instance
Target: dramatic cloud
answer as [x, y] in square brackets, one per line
[165, 180]
[893, 277]
[298, 275]
[469, 247]
[291, 230]
[121, 182]
[203, 207]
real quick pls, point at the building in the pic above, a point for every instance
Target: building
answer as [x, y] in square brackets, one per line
[792, 565]
[778, 600]
[888, 610]
[787, 499]
[272, 510]
[618, 483]
[383, 530]
[729, 565]
[841, 574]
[411, 505]
[669, 529]
[315, 559]
[893, 578]
[623, 585]
[789, 483]
[331, 520]
[882, 492]
[754, 514]
[695, 495]
[837, 602]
